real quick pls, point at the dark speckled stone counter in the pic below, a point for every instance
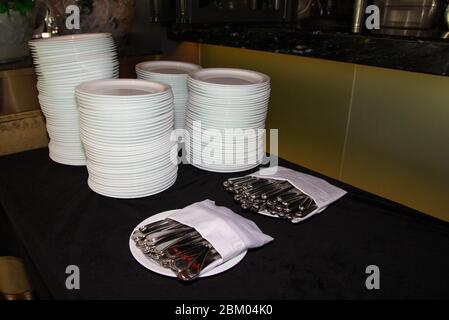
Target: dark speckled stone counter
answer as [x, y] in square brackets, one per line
[417, 55]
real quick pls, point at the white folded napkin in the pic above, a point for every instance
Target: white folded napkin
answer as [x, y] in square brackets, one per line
[229, 233]
[322, 192]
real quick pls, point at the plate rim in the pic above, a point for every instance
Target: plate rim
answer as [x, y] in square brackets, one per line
[177, 65]
[264, 78]
[90, 88]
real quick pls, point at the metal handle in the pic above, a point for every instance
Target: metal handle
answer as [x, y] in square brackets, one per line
[447, 15]
[359, 14]
[277, 5]
[284, 15]
[182, 10]
[155, 13]
[253, 5]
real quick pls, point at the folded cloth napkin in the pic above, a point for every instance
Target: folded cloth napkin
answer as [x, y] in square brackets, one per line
[322, 192]
[229, 233]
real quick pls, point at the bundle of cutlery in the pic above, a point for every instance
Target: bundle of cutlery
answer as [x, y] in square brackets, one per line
[175, 246]
[277, 197]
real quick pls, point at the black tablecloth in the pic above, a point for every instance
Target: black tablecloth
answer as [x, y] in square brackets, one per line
[59, 221]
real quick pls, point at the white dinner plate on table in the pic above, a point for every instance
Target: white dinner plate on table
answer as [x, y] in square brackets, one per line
[150, 265]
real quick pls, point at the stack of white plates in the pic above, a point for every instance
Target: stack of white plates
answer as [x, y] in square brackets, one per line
[125, 128]
[61, 64]
[173, 73]
[225, 119]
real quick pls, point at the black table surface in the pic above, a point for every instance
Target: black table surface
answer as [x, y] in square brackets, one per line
[59, 221]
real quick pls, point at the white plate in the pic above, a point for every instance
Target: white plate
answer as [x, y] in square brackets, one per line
[126, 112]
[167, 67]
[66, 161]
[117, 183]
[229, 77]
[149, 264]
[230, 169]
[226, 90]
[130, 194]
[73, 37]
[122, 88]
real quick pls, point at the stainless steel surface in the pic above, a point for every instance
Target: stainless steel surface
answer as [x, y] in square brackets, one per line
[203, 260]
[407, 15]
[180, 263]
[277, 4]
[304, 8]
[446, 15]
[407, 32]
[278, 190]
[182, 11]
[197, 11]
[285, 12]
[253, 4]
[167, 243]
[155, 10]
[358, 17]
[446, 19]
[417, 3]
[279, 198]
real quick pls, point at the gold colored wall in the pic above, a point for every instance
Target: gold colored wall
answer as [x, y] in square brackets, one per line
[18, 91]
[398, 138]
[384, 131]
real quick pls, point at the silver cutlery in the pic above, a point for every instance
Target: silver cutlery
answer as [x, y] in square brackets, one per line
[176, 246]
[278, 198]
[198, 264]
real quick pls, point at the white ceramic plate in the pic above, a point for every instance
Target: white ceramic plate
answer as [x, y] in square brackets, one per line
[64, 39]
[122, 88]
[130, 193]
[149, 264]
[167, 67]
[229, 77]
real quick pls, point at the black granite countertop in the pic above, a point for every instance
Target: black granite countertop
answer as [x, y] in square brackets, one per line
[404, 53]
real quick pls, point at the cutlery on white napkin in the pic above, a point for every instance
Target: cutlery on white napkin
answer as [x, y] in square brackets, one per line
[229, 233]
[321, 191]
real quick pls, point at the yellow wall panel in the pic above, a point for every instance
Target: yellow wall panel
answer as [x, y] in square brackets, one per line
[398, 138]
[18, 91]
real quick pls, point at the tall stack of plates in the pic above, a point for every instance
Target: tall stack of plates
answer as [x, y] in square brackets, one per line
[61, 64]
[126, 127]
[173, 73]
[225, 119]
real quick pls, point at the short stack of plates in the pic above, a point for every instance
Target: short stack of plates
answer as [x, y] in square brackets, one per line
[61, 64]
[173, 73]
[126, 127]
[225, 119]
